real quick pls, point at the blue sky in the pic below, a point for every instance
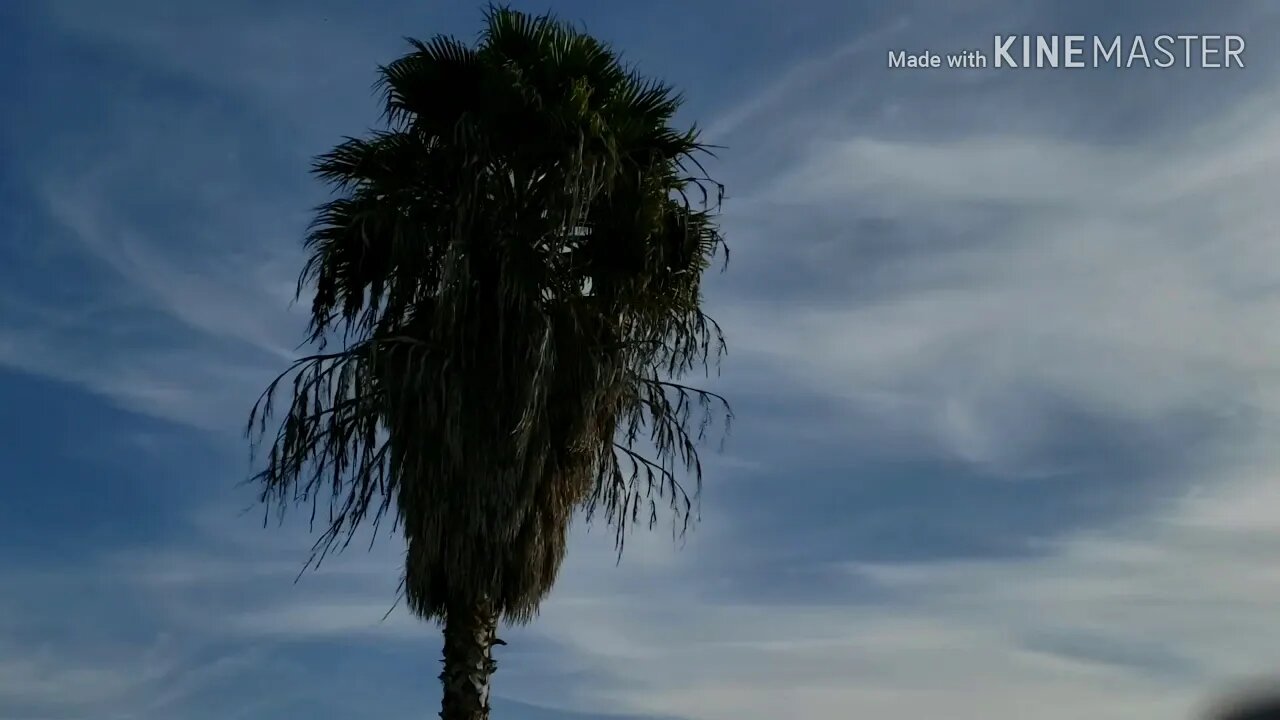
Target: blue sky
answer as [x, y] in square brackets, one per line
[1004, 351]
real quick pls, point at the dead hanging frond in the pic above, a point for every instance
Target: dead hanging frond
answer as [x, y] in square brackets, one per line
[663, 425]
[330, 446]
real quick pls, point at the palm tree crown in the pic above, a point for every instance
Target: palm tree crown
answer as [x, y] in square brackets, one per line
[511, 274]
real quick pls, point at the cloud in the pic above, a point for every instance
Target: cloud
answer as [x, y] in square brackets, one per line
[800, 77]
[1140, 620]
[1136, 281]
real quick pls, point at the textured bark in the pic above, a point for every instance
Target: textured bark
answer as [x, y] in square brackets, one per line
[470, 632]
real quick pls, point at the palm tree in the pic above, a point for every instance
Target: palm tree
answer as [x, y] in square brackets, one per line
[1253, 705]
[506, 290]
[1266, 710]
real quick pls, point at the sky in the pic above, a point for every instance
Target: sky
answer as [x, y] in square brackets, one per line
[1004, 354]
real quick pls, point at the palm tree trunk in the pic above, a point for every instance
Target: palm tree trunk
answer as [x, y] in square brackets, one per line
[470, 632]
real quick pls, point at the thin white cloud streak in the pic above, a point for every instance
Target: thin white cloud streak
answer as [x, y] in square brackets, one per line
[275, 58]
[119, 682]
[799, 77]
[185, 325]
[229, 281]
